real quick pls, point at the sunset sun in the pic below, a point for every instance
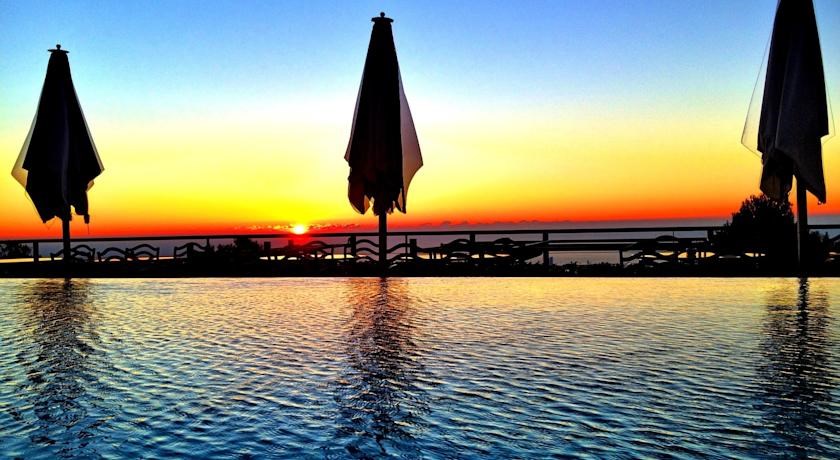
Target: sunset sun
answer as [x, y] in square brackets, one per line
[299, 229]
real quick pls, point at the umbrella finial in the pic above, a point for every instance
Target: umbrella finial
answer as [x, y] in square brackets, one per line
[58, 49]
[381, 18]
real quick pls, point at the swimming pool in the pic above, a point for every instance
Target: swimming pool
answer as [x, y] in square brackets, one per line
[419, 367]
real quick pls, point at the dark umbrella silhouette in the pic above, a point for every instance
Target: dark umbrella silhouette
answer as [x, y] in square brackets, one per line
[58, 161]
[794, 111]
[383, 151]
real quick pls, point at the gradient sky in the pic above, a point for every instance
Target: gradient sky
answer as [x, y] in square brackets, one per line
[219, 116]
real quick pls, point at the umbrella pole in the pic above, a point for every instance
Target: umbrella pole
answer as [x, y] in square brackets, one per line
[65, 236]
[802, 227]
[383, 241]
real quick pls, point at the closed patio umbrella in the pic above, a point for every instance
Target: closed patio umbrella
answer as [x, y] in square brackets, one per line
[383, 151]
[794, 114]
[58, 161]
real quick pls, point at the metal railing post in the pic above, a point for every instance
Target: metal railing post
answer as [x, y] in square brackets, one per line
[546, 260]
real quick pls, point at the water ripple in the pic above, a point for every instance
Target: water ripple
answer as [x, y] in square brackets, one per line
[420, 368]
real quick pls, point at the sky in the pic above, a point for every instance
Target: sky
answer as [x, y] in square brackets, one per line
[223, 117]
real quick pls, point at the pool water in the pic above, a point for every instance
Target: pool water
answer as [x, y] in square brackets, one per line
[420, 368]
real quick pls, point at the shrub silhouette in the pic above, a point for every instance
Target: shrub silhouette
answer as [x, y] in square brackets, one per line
[243, 248]
[15, 251]
[763, 225]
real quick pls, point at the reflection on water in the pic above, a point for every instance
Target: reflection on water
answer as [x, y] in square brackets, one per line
[420, 368]
[60, 364]
[379, 399]
[798, 377]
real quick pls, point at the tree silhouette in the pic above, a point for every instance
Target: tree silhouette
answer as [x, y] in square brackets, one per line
[766, 226]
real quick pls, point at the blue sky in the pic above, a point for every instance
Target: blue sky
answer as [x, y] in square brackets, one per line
[552, 52]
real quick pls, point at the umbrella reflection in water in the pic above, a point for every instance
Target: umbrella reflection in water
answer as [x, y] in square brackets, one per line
[62, 361]
[381, 401]
[797, 374]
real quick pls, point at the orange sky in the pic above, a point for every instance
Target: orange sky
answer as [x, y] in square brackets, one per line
[167, 177]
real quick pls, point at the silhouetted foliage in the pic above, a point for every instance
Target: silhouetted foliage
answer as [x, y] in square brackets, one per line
[242, 248]
[15, 251]
[766, 226]
[761, 225]
[819, 247]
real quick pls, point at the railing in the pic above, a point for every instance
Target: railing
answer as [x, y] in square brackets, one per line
[662, 244]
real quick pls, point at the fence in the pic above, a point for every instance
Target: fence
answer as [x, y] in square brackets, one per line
[631, 244]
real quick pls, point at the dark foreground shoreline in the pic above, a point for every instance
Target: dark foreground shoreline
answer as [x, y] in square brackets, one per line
[180, 269]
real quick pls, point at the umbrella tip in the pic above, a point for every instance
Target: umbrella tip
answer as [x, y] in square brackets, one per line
[382, 18]
[57, 49]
